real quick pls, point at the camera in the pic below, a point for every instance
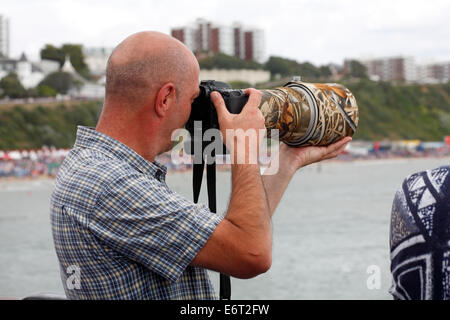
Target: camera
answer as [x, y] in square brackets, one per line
[303, 113]
[203, 109]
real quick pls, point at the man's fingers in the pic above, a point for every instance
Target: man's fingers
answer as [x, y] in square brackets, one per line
[337, 145]
[254, 98]
[334, 154]
[219, 103]
[337, 151]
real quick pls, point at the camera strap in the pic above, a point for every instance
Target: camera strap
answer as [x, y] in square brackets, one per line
[225, 282]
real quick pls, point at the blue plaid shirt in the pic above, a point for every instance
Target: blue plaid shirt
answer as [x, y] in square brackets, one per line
[116, 223]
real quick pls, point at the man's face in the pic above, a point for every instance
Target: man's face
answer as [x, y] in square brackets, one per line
[189, 91]
[179, 114]
[185, 104]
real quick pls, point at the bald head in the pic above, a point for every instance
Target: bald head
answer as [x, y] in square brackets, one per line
[145, 61]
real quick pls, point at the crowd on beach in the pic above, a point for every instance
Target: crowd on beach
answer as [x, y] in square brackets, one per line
[31, 163]
[46, 161]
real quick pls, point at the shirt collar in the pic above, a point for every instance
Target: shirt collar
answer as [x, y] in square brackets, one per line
[88, 137]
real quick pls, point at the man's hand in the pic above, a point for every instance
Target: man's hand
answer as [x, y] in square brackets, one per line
[241, 244]
[236, 127]
[250, 116]
[303, 156]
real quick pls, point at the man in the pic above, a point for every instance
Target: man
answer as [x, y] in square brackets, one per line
[119, 231]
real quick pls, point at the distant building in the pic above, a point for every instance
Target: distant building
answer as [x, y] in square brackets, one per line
[336, 71]
[7, 65]
[68, 67]
[441, 72]
[87, 89]
[424, 74]
[404, 69]
[4, 36]
[433, 73]
[11, 65]
[47, 66]
[391, 69]
[97, 59]
[204, 36]
[29, 74]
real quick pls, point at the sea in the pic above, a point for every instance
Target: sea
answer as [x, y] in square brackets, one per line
[330, 232]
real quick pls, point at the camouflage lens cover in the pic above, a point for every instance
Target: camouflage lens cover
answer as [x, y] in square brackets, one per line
[310, 113]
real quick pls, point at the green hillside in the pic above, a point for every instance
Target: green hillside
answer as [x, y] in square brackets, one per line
[386, 111]
[33, 127]
[402, 111]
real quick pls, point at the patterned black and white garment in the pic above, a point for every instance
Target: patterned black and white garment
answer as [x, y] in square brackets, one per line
[420, 237]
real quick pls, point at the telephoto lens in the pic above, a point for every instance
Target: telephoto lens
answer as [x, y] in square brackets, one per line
[310, 113]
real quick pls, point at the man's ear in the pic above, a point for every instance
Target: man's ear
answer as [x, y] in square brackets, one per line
[165, 99]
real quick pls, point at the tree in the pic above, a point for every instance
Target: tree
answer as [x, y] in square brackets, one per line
[223, 61]
[287, 67]
[52, 53]
[325, 71]
[278, 65]
[239, 84]
[61, 82]
[46, 91]
[73, 51]
[10, 86]
[356, 69]
[307, 70]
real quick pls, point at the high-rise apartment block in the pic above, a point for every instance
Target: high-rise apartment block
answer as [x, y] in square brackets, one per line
[405, 69]
[391, 69]
[434, 73]
[235, 40]
[4, 36]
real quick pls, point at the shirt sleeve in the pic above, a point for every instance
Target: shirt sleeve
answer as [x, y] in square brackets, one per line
[142, 219]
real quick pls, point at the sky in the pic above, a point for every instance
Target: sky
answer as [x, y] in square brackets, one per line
[318, 31]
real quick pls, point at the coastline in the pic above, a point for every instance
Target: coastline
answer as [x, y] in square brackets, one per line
[224, 168]
[6, 180]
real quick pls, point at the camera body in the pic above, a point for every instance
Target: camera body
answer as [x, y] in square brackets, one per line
[203, 109]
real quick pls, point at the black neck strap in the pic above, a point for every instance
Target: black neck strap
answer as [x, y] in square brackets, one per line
[225, 283]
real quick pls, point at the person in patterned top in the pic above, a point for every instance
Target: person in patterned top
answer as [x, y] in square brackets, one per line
[420, 237]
